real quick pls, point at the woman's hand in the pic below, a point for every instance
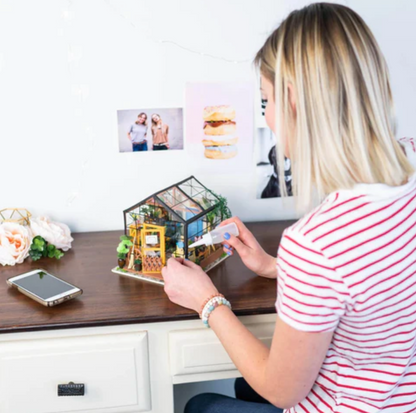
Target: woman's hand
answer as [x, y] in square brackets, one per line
[187, 284]
[252, 254]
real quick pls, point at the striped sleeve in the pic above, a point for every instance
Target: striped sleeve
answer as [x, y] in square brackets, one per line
[310, 294]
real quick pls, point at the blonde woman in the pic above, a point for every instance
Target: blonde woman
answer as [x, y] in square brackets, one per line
[160, 133]
[345, 335]
[138, 132]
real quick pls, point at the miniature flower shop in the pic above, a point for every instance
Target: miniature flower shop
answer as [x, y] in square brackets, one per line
[165, 224]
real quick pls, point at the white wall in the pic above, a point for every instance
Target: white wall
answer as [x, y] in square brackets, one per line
[67, 66]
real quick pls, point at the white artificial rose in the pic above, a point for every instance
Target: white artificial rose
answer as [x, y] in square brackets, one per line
[15, 240]
[55, 233]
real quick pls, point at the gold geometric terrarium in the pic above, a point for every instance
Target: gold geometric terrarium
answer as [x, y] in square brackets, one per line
[17, 215]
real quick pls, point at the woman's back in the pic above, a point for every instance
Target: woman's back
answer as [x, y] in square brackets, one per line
[350, 266]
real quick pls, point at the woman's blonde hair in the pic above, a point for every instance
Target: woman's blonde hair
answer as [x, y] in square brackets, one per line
[141, 114]
[153, 122]
[344, 128]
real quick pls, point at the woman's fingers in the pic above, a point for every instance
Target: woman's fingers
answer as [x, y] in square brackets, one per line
[190, 264]
[235, 243]
[242, 229]
[228, 250]
[245, 236]
[236, 220]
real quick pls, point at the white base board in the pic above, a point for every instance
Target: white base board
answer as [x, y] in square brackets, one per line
[149, 278]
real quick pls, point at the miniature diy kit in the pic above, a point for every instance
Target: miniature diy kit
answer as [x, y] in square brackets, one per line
[165, 224]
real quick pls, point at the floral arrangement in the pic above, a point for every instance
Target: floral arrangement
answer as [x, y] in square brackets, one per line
[43, 238]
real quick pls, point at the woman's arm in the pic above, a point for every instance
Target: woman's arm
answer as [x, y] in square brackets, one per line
[283, 375]
[167, 136]
[129, 132]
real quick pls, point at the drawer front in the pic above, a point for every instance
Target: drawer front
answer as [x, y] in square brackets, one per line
[113, 367]
[200, 351]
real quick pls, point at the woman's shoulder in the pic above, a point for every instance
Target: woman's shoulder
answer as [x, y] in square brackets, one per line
[315, 223]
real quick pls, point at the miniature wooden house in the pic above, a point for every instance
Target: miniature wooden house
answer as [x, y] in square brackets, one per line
[167, 222]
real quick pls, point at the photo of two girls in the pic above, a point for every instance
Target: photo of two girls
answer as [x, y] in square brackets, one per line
[150, 130]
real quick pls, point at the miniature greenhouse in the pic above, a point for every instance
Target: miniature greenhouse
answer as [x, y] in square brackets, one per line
[167, 222]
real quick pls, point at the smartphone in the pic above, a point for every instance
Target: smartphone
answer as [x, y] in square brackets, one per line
[44, 288]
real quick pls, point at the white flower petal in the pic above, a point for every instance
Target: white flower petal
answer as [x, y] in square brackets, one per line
[55, 233]
[15, 243]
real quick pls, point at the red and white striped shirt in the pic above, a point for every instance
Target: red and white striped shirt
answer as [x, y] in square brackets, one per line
[350, 267]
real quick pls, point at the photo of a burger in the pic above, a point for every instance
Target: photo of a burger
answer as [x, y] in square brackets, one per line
[220, 130]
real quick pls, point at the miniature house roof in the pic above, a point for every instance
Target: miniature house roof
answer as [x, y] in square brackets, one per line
[188, 200]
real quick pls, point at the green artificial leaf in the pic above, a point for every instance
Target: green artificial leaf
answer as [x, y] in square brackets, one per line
[38, 243]
[58, 254]
[41, 248]
[35, 255]
[122, 249]
[51, 251]
[125, 238]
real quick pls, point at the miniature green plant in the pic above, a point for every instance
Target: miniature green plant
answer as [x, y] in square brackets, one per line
[41, 248]
[138, 264]
[221, 209]
[124, 246]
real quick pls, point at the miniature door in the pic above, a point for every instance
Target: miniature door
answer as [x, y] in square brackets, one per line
[153, 248]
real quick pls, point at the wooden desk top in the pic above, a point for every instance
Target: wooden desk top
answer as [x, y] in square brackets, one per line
[111, 299]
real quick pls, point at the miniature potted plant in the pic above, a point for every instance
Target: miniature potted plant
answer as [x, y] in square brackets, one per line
[123, 249]
[138, 264]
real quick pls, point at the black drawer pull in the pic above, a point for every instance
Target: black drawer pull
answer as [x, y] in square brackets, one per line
[71, 389]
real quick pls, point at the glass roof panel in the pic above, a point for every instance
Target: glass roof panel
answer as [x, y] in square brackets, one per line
[180, 203]
[201, 195]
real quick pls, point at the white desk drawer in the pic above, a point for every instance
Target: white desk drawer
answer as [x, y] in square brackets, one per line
[113, 367]
[200, 351]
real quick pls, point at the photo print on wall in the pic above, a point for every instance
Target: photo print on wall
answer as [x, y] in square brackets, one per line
[219, 124]
[268, 185]
[143, 130]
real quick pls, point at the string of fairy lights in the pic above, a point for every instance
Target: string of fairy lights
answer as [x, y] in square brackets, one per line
[82, 91]
[165, 41]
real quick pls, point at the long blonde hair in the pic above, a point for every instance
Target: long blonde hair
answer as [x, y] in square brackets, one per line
[344, 127]
[154, 124]
[141, 114]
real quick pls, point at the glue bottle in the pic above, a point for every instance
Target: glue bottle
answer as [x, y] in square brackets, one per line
[216, 236]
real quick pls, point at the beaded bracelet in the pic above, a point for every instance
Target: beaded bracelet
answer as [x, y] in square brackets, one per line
[211, 305]
[205, 302]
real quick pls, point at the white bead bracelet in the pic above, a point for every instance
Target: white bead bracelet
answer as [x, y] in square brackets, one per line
[210, 306]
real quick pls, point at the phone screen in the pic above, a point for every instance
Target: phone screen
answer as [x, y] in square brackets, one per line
[43, 285]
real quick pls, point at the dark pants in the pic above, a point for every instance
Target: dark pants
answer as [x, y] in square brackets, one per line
[139, 147]
[247, 401]
[160, 147]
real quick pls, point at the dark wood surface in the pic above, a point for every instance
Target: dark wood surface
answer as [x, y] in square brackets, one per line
[111, 299]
